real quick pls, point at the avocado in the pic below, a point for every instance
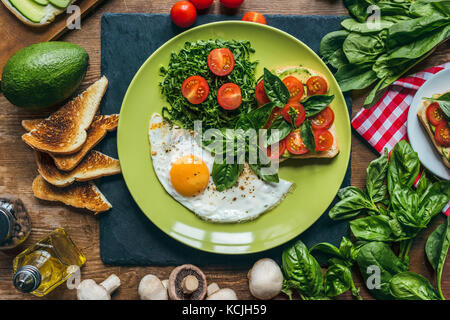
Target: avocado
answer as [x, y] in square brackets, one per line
[29, 9]
[302, 74]
[44, 74]
[445, 151]
[60, 3]
[41, 2]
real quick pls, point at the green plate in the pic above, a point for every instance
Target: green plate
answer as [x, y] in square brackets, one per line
[317, 181]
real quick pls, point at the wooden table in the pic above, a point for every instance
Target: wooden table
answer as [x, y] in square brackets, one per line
[17, 167]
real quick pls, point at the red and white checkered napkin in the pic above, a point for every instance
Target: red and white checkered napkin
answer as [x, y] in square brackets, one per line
[384, 124]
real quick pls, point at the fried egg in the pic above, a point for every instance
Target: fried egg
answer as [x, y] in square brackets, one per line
[184, 169]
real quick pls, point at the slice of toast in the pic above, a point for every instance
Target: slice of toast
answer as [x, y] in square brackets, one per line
[422, 115]
[84, 195]
[330, 153]
[94, 166]
[64, 132]
[96, 132]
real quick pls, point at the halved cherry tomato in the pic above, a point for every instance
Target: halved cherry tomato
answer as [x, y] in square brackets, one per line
[294, 143]
[195, 89]
[442, 134]
[435, 114]
[254, 17]
[221, 61]
[295, 88]
[183, 14]
[298, 109]
[260, 93]
[229, 96]
[275, 153]
[323, 120]
[275, 114]
[324, 140]
[316, 85]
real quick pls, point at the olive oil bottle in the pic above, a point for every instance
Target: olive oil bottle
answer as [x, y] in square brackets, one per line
[48, 263]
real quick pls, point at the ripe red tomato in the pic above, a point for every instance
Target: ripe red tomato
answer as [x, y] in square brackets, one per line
[221, 61]
[323, 120]
[442, 134]
[298, 109]
[254, 17]
[275, 153]
[260, 93]
[229, 96]
[195, 89]
[232, 3]
[295, 87]
[183, 14]
[324, 140]
[294, 143]
[202, 4]
[435, 114]
[316, 85]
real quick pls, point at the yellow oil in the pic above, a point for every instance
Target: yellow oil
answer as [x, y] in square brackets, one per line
[56, 257]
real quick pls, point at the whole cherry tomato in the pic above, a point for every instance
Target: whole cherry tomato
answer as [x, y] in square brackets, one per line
[183, 14]
[231, 3]
[202, 4]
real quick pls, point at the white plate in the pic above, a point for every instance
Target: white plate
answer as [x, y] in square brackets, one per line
[418, 137]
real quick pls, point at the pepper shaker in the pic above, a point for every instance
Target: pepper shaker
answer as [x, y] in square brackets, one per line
[15, 224]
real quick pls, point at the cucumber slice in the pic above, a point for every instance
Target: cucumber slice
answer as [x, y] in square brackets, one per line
[41, 2]
[30, 9]
[60, 3]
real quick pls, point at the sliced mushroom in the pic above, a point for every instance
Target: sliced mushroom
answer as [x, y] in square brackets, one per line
[187, 282]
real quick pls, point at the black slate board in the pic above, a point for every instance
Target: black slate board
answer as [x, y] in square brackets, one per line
[127, 236]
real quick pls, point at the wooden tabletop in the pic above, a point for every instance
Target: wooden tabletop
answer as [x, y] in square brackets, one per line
[17, 166]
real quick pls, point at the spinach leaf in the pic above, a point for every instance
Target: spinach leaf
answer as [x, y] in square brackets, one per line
[352, 205]
[225, 175]
[355, 76]
[276, 90]
[315, 104]
[307, 135]
[365, 27]
[337, 280]
[277, 131]
[376, 175]
[363, 48]
[436, 248]
[302, 271]
[331, 48]
[411, 286]
[380, 256]
[358, 8]
[423, 8]
[404, 166]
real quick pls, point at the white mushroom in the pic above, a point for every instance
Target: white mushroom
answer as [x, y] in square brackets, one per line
[223, 294]
[151, 288]
[90, 290]
[265, 279]
[212, 288]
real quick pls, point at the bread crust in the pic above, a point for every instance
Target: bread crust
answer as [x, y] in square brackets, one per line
[64, 132]
[422, 115]
[83, 195]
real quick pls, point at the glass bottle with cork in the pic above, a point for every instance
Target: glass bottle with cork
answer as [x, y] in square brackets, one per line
[47, 264]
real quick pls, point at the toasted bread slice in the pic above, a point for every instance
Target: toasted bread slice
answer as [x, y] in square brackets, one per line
[84, 195]
[422, 115]
[96, 132]
[64, 132]
[331, 153]
[94, 166]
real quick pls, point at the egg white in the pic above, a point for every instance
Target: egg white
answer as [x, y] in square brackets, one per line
[247, 200]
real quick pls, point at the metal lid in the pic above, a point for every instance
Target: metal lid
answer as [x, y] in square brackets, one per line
[6, 225]
[27, 279]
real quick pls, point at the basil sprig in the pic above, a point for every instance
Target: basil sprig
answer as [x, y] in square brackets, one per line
[276, 90]
[315, 104]
[307, 134]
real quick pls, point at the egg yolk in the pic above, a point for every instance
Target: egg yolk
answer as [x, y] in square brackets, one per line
[189, 176]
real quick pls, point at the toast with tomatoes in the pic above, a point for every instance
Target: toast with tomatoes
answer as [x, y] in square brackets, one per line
[443, 151]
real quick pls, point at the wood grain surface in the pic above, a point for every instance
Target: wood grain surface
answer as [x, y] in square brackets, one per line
[17, 167]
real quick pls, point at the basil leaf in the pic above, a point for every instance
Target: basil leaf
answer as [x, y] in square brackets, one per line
[276, 90]
[411, 286]
[307, 135]
[337, 280]
[351, 206]
[225, 175]
[315, 104]
[277, 131]
[380, 256]
[444, 103]
[373, 228]
[258, 117]
[256, 168]
[376, 175]
[436, 248]
[404, 166]
[302, 271]
[350, 191]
